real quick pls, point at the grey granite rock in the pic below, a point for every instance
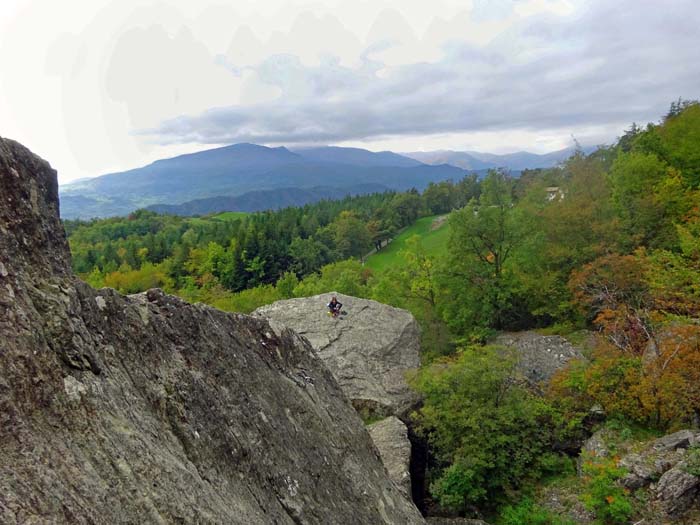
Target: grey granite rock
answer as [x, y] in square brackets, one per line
[680, 439]
[145, 409]
[369, 350]
[677, 491]
[390, 436]
[539, 356]
[650, 463]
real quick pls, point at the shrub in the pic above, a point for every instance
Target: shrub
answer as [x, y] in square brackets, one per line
[527, 512]
[692, 460]
[603, 496]
[490, 434]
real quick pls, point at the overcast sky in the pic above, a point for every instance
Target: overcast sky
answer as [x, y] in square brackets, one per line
[103, 85]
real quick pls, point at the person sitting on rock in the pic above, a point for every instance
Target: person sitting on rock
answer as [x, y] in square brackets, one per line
[334, 307]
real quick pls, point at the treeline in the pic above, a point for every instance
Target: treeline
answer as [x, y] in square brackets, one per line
[233, 252]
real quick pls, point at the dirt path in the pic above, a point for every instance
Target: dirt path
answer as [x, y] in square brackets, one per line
[437, 222]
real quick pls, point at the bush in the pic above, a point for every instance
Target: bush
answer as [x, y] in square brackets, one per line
[603, 495]
[245, 301]
[348, 277]
[692, 460]
[490, 434]
[527, 512]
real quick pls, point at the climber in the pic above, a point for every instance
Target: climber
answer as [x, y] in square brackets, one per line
[334, 307]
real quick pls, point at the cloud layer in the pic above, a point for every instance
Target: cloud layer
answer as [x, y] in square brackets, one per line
[605, 63]
[112, 84]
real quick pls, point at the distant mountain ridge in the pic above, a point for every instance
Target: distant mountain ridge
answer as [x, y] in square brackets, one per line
[357, 157]
[240, 169]
[475, 160]
[236, 175]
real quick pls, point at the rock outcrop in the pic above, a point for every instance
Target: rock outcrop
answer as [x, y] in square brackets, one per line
[145, 409]
[661, 468]
[650, 463]
[369, 350]
[539, 356]
[677, 491]
[390, 436]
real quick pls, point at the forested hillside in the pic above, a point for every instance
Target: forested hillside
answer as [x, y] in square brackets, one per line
[212, 257]
[608, 242]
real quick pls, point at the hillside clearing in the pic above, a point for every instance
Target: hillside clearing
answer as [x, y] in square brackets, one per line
[434, 233]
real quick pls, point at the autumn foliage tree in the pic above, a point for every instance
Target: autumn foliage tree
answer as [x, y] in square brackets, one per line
[613, 294]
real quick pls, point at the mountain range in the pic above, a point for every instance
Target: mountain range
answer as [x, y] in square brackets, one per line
[475, 160]
[250, 177]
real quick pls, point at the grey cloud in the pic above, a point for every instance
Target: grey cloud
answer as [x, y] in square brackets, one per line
[611, 64]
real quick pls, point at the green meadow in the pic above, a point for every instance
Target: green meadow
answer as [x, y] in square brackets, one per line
[230, 215]
[433, 240]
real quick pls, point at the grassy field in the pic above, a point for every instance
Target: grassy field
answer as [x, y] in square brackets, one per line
[434, 241]
[225, 216]
[230, 215]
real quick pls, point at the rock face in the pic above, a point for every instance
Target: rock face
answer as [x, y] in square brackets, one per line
[677, 490]
[662, 467]
[145, 409]
[650, 463]
[596, 444]
[539, 356]
[390, 436]
[369, 350]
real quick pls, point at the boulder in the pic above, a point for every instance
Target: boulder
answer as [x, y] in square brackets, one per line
[641, 471]
[539, 356]
[369, 350]
[677, 491]
[680, 439]
[649, 464]
[390, 436]
[146, 409]
[594, 447]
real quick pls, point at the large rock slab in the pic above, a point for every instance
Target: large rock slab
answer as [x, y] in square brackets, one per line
[681, 439]
[390, 436]
[369, 350]
[539, 356]
[145, 409]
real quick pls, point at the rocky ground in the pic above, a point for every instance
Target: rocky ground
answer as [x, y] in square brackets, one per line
[657, 477]
[539, 356]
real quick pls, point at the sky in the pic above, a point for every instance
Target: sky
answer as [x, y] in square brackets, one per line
[96, 86]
